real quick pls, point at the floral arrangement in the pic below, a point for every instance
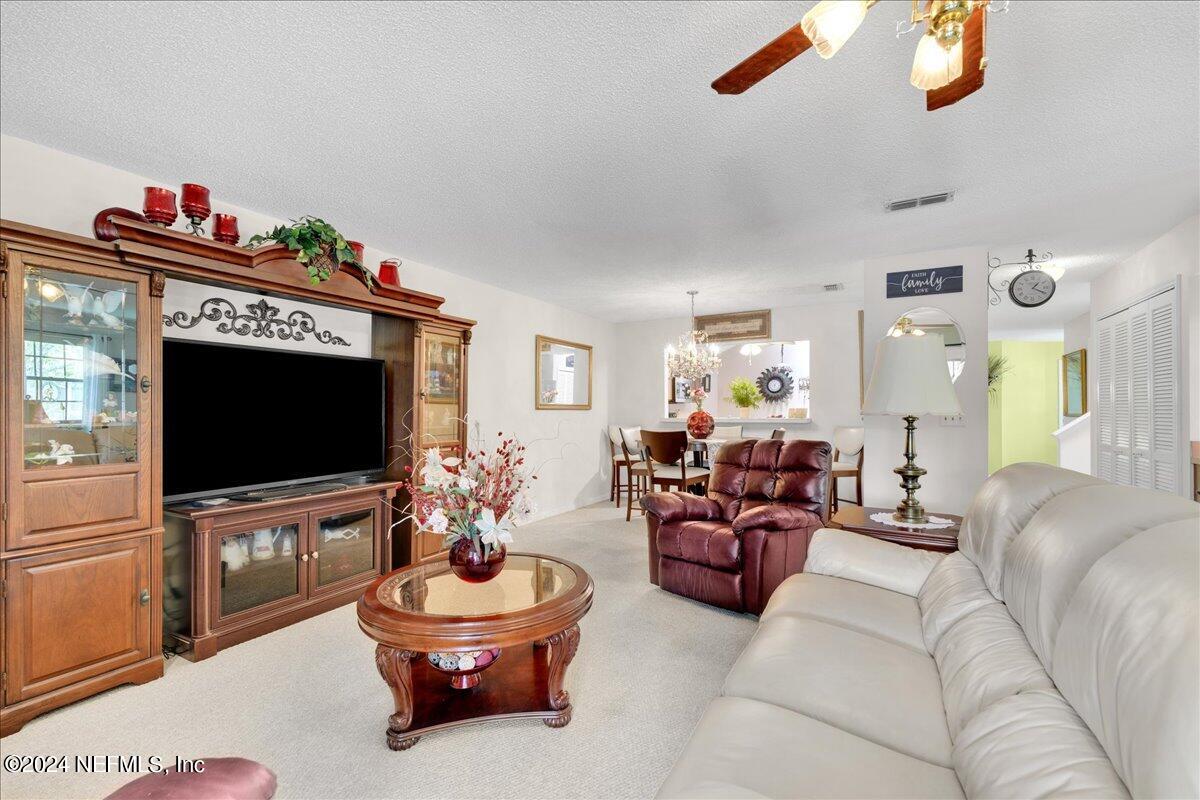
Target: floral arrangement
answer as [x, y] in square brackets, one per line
[479, 497]
[698, 395]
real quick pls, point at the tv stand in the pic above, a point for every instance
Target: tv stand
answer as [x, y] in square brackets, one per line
[241, 569]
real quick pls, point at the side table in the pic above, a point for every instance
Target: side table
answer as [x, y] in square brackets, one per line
[858, 519]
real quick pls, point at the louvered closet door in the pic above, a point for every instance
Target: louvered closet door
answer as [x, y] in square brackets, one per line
[1104, 399]
[1165, 430]
[1138, 426]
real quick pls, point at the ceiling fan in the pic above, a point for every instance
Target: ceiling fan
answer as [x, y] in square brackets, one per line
[950, 57]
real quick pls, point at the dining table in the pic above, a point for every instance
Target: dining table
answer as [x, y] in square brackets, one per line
[704, 449]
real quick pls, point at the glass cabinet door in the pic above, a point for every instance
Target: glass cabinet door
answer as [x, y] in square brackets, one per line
[345, 546]
[258, 567]
[441, 391]
[80, 369]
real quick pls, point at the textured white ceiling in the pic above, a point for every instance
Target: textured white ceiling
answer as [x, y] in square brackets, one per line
[575, 152]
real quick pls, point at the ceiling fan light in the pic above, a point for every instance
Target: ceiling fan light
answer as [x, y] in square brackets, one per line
[933, 65]
[830, 23]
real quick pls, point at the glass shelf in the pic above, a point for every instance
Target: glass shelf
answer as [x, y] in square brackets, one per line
[79, 378]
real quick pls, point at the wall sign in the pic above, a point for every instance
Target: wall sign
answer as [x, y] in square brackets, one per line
[919, 282]
[736, 326]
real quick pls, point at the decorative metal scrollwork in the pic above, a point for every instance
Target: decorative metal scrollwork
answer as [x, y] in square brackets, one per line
[261, 321]
[1030, 261]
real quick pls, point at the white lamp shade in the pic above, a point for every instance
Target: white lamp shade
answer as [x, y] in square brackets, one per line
[910, 378]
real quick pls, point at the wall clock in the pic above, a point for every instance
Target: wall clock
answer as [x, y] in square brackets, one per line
[1031, 289]
[776, 384]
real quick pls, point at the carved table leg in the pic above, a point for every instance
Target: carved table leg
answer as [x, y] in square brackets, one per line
[396, 670]
[562, 649]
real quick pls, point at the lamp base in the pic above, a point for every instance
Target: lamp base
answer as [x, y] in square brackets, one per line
[909, 510]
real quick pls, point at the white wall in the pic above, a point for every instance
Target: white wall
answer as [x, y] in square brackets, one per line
[45, 187]
[832, 330]
[1077, 333]
[956, 457]
[1176, 252]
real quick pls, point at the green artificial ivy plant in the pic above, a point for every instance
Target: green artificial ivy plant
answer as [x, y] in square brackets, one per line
[745, 393]
[317, 245]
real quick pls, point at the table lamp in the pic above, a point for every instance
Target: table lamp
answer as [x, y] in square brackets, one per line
[909, 379]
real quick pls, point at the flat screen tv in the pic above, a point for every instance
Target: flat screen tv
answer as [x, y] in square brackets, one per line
[239, 418]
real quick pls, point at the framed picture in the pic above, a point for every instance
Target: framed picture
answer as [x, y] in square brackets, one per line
[678, 388]
[737, 326]
[1074, 383]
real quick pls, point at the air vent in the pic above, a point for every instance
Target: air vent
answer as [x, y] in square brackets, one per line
[917, 202]
[834, 287]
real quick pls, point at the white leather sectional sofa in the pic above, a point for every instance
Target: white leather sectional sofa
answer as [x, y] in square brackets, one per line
[1057, 654]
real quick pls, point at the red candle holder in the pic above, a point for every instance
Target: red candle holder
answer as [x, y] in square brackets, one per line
[195, 206]
[358, 249]
[389, 271]
[159, 206]
[225, 228]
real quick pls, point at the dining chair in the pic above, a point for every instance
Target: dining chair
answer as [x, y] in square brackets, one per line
[621, 459]
[779, 433]
[849, 444]
[665, 454]
[727, 432]
[637, 473]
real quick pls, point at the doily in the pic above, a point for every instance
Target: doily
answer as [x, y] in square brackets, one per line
[885, 518]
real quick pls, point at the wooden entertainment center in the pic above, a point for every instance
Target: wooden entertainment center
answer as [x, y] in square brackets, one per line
[83, 524]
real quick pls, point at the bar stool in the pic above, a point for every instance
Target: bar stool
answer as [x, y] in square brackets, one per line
[621, 458]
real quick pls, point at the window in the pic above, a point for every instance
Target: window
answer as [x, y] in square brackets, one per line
[54, 375]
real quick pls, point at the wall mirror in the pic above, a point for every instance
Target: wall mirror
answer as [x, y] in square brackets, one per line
[936, 320]
[1074, 383]
[563, 375]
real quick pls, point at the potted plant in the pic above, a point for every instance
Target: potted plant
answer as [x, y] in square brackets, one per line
[317, 245]
[745, 395]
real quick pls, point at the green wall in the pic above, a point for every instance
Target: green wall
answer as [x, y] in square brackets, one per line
[1024, 412]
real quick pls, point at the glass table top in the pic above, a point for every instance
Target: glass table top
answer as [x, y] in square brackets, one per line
[433, 589]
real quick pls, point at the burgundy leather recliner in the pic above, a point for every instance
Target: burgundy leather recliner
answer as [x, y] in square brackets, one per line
[765, 499]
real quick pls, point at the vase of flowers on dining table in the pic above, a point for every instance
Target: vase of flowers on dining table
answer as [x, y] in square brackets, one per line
[473, 501]
[700, 423]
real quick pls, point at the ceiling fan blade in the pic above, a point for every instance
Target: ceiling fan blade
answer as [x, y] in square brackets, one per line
[971, 80]
[786, 46]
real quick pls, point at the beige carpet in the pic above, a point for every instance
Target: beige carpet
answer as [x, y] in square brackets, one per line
[308, 702]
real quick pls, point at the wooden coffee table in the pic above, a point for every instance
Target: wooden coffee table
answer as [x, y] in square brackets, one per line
[432, 627]
[858, 519]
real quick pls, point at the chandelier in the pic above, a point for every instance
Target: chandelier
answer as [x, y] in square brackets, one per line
[691, 359]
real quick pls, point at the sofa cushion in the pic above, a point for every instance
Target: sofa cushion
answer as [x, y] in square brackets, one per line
[1001, 508]
[708, 542]
[983, 659]
[1033, 745]
[802, 475]
[868, 609]
[747, 749]
[953, 590]
[868, 686]
[1127, 658]
[1047, 562]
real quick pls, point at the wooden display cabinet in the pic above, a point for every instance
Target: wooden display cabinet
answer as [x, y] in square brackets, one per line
[239, 570]
[81, 543]
[439, 406]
